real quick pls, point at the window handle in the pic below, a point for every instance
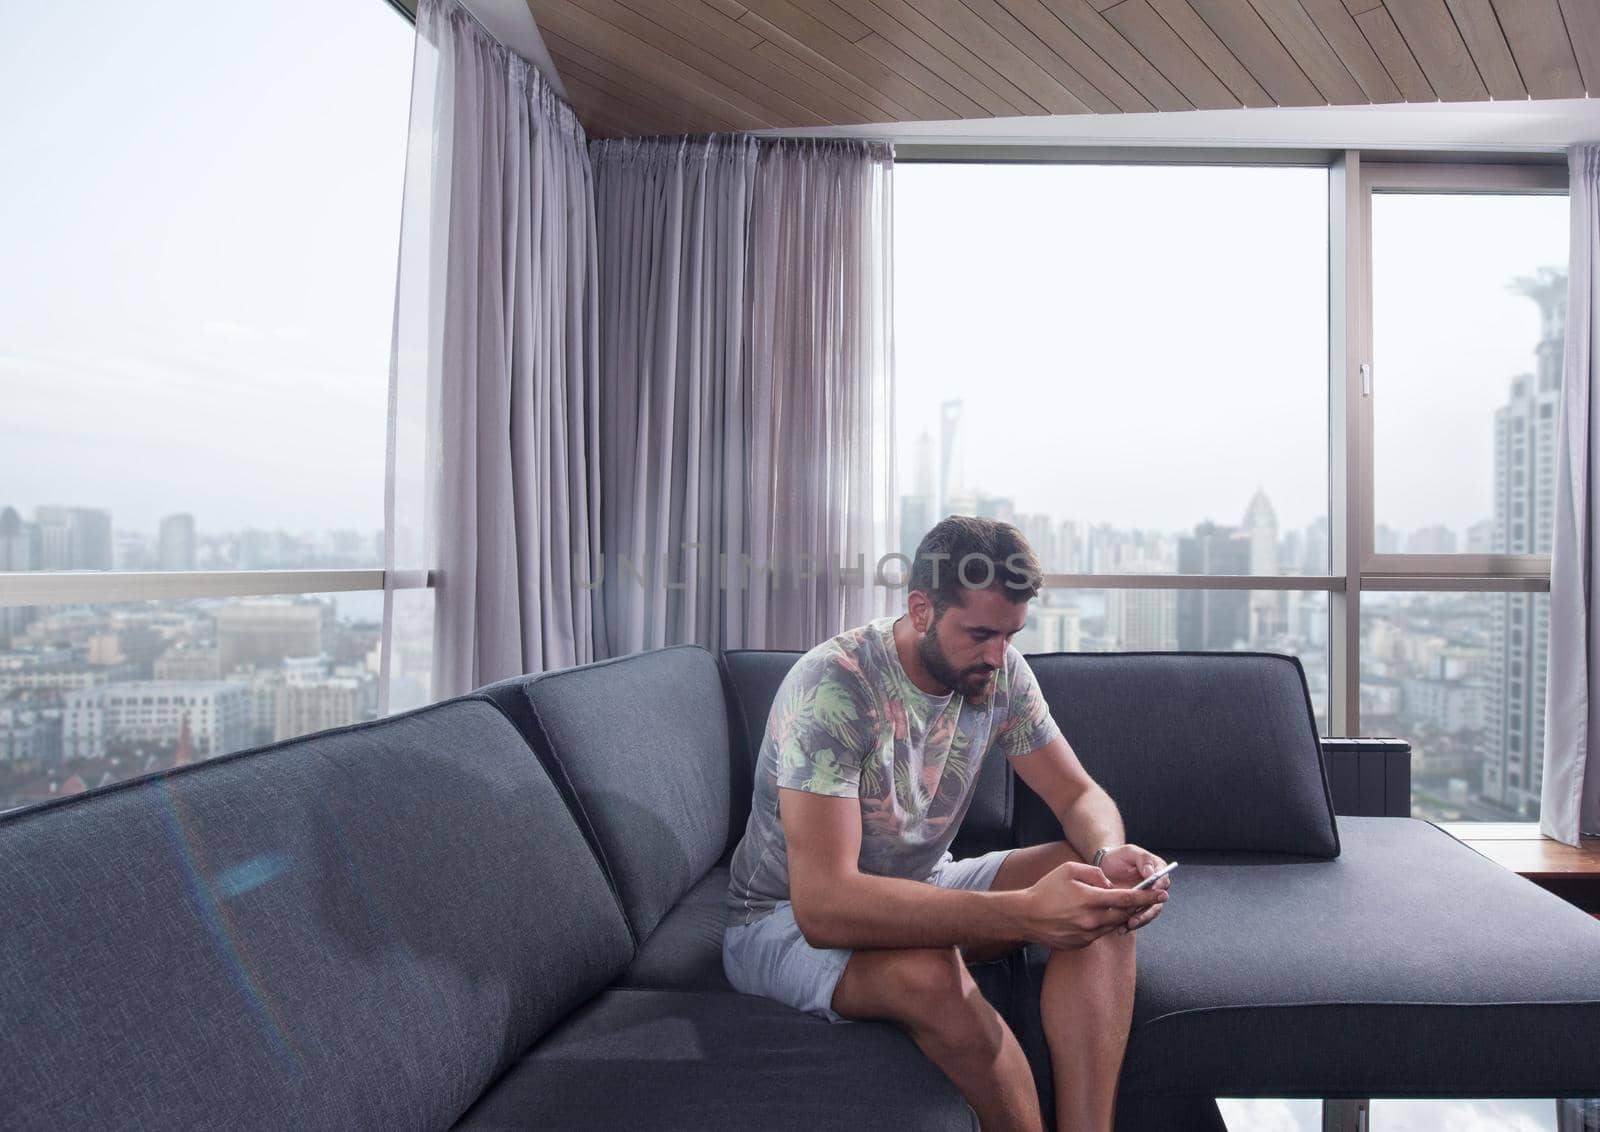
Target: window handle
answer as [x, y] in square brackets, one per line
[1366, 379]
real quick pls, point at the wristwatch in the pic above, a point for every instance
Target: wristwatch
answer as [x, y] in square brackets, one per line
[1099, 855]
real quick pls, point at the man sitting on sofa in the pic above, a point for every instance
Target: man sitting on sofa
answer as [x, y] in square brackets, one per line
[844, 900]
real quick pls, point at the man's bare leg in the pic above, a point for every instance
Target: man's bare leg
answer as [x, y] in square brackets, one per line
[929, 993]
[1086, 1003]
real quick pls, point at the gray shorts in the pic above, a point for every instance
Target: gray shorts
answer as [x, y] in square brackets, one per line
[772, 958]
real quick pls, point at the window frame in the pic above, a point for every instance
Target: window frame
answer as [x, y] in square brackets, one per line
[1428, 178]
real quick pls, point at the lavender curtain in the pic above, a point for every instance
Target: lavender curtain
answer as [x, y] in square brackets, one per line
[674, 220]
[1570, 794]
[745, 314]
[495, 389]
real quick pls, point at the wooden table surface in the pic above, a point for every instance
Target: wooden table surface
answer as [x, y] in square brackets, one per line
[1523, 849]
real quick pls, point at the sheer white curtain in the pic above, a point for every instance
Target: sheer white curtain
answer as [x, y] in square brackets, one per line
[494, 391]
[820, 364]
[1570, 795]
[746, 351]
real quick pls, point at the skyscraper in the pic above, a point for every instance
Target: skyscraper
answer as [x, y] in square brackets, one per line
[952, 472]
[73, 538]
[1213, 620]
[18, 551]
[917, 512]
[17, 541]
[1432, 540]
[1142, 620]
[177, 542]
[1266, 606]
[1524, 505]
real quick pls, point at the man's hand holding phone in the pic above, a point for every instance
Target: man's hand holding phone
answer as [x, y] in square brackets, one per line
[1129, 866]
[1076, 904]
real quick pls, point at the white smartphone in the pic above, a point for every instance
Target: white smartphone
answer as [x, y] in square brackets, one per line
[1155, 876]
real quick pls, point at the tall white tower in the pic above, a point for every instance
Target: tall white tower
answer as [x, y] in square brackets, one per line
[952, 472]
[1266, 606]
[1524, 523]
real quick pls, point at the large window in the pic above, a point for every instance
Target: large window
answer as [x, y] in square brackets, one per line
[1133, 364]
[1464, 317]
[195, 316]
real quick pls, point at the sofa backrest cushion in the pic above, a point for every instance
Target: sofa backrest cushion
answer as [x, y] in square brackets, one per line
[1199, 750]
[755, 675]
[643, 742]
[361, 929]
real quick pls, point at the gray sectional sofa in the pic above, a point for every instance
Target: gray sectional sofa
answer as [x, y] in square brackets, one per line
[505, 911]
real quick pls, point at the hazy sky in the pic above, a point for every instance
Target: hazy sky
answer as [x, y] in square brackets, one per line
[1147, 345]
[198, 222]
[1449, 334]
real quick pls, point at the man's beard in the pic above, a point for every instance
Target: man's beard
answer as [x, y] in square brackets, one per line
[973, 683]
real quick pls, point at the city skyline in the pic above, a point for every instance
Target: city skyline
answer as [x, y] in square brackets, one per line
[67, 537]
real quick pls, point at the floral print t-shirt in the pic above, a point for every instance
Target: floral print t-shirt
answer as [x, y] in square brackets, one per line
[848, 722]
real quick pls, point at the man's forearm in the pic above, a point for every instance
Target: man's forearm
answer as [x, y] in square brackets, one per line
[1092, 822]
[872, 911]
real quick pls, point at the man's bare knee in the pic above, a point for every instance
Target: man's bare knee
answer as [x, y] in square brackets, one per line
[925, 990]
[929, 987]
[903, 985]
[947, 1012]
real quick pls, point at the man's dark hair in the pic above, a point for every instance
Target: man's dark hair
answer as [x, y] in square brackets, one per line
[964, 553]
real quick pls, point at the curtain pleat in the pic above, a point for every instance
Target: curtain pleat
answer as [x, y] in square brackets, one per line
[1570, 790]
[744, 325]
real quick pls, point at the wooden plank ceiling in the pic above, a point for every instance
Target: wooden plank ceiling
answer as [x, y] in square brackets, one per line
[636, 67]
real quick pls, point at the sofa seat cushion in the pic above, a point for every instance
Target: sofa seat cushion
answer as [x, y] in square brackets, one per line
[1408, 966]
[684, 1060]
[685, 950]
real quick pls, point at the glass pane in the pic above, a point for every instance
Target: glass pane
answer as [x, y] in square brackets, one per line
[1461, 676]
[411, 662]
[1468, 311]
[197, 288]
[1257, 1114]
[1120, 359]
[1294, 622]
[1465, 1116]
[93, 694]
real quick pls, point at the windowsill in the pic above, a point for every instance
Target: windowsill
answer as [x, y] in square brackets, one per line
[1571, 872]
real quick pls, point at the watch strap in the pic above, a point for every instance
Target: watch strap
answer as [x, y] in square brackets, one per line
[1099, 855]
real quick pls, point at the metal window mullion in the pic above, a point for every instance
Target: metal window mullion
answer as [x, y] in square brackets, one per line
[1453, 583]
[1347, 328]
[1309, 583]
[80, 587]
